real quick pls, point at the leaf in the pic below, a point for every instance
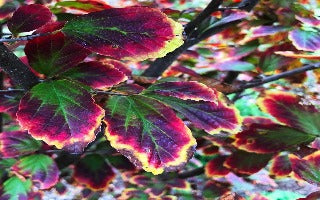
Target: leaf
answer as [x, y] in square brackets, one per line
[9, 102]
[213, 117]
[215, 168]
[214, 189]
[60, 113]
[270, 138]
[190, 90]
[307, 168]
[148, 133]
[40, 168]
[53, 54]
[291, 54]
[281, 166]
[288, 109]
[84, 5]
[305, 40]
[243, 162]
[95, 74]
[17, 143]
[16, 189]
[132, 33]
[93, 171]
[122, 67]
[28, 18]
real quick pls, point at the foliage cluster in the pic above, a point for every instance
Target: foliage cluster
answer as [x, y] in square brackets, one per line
[163, 99]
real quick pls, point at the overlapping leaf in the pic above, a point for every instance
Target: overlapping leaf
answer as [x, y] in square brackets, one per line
[40, 168]
[28, 18]
[305, 40]
[134, 33]
[17, 143]
[93, 171]
[84, 5]
[288, 109]
[213, 189]
[95, 74]
[247, 163]
[215, 168]
[61, 113]
[307, 168]
[270, 138]
[148, 133]
[212, 116]
[281, 165]
[53, 54]
[15, 189]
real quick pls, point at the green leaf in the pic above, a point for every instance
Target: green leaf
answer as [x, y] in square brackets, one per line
[15, 189]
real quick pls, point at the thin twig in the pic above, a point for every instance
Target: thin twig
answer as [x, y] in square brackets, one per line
[191, 173]
[24, 38]
[255, 83]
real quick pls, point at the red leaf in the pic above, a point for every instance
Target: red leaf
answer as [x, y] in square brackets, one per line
[93, 171]
[95, 75]
[288, 109]
[17, 143]
[281, 165]
[134, 33]
[53, 54]
[215, 168]
[60, 113]
[247, 163]
[148, 133]
[28, 18]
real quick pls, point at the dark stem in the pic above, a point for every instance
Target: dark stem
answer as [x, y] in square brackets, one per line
[191, 173]
[212, 6]
[17, 71]
[268, 79]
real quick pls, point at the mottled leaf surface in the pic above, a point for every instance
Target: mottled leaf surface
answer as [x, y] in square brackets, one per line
[93, 171]
[28, 18]
[40, 168]
[148, 133]
[288, 109]
[134, 33]
[95, 74]
[270, 138]
[60, 113]
[305, 40]
[17, 143]
[52, 54]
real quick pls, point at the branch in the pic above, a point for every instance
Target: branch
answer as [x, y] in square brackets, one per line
[17, 71]
[255, 83]
[191, 173]
[212, 6]
[161, 64]
[23, 38]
